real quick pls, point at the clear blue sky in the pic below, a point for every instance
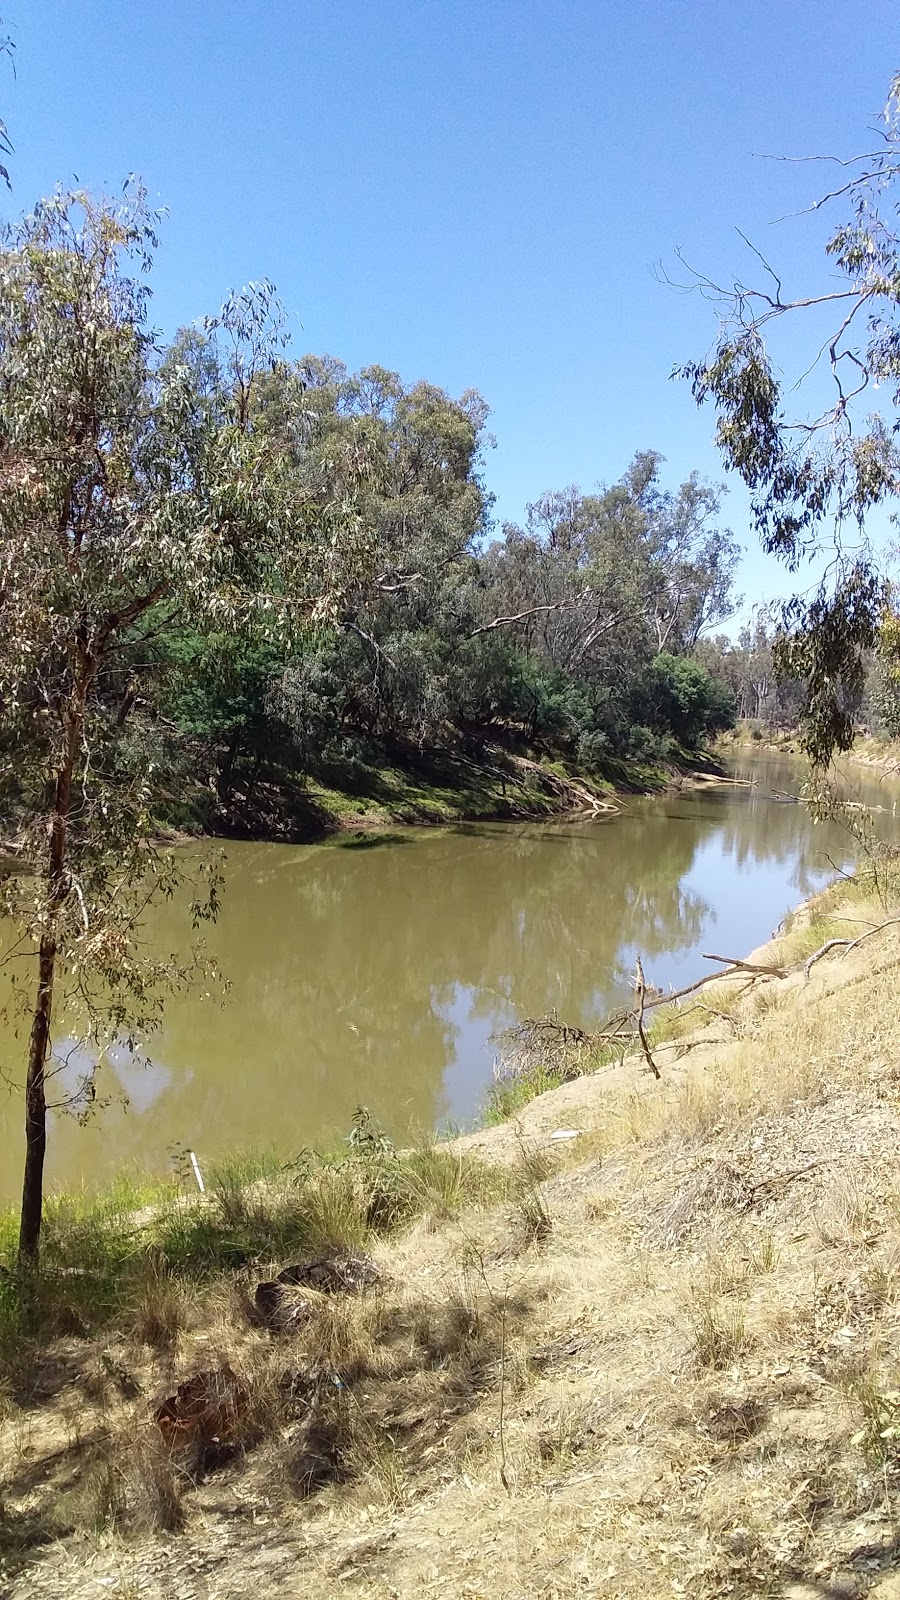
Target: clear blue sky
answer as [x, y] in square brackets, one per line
[472, 191]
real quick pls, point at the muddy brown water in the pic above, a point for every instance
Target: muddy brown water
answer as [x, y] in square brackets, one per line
[377, 969]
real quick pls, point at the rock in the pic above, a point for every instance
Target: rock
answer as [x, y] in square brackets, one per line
[843, 1586]
[886, 1588]
[278, 1309]
[205, 1410]
[347, 1272]
[840, 1586]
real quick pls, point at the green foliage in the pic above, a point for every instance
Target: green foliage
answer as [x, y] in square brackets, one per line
[827, 652]
[545, 638]
[146, 497]
[679, 695]
[508, 1094]
[879, 1437]
[817, 470]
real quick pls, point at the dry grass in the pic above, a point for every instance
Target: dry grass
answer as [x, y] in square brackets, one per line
[655, 1360]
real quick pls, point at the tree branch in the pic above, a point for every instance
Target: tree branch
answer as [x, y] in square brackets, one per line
[504, 622]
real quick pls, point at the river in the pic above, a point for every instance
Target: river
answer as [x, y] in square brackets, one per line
[376, 968]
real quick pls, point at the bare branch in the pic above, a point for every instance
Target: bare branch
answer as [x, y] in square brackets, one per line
[532, 611]
[748, 966]
[641, 988]
[846, 944]
[770, 270]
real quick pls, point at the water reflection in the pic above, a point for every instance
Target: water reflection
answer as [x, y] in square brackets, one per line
[378, 974]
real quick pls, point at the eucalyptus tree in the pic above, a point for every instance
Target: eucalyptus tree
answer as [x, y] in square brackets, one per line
[816, 463]
[408, 459]
[140, 492]
[691, 559]
[592, 579]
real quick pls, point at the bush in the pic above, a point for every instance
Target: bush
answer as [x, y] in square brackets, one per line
[677, 695]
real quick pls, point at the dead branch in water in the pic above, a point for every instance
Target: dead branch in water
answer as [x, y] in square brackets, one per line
[559, 1047]
[547, 1042]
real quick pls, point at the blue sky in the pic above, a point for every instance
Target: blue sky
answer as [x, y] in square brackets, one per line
[472, 191]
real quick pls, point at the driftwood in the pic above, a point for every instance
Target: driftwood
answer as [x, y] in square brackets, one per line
[593, 804]
[846, 944]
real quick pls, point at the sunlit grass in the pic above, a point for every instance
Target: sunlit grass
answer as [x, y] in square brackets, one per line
[117, 1258]
[508, 1095]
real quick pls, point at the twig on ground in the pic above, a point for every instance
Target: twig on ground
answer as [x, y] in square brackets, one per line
[784, 1178]
[723, 1016]
[504, 1479]
[764, 970]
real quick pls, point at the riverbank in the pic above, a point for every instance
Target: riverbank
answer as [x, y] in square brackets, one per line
[883, 755]
[655, 1356]
[492, 783]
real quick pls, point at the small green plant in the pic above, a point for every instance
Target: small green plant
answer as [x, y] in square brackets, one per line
[366, 1138]
[766, 1256]
[530, 1216]
[507, 1095]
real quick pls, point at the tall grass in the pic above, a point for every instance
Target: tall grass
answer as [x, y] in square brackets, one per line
[134, 1255]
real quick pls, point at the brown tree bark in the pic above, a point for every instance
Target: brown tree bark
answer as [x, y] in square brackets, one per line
[36, 1107]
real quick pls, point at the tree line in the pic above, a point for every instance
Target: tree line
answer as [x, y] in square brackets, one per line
[754, 667]
[575, 633]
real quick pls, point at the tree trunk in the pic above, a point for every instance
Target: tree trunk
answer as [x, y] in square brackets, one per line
[254, 776]
[39, 1043]
[36, 1106]
[226, 771]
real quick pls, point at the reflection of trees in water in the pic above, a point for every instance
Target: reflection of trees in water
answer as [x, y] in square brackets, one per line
[763, 830]
[342, 975]
[345, 962]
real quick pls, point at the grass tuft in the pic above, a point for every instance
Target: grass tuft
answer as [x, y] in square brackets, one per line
[719, 1331]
